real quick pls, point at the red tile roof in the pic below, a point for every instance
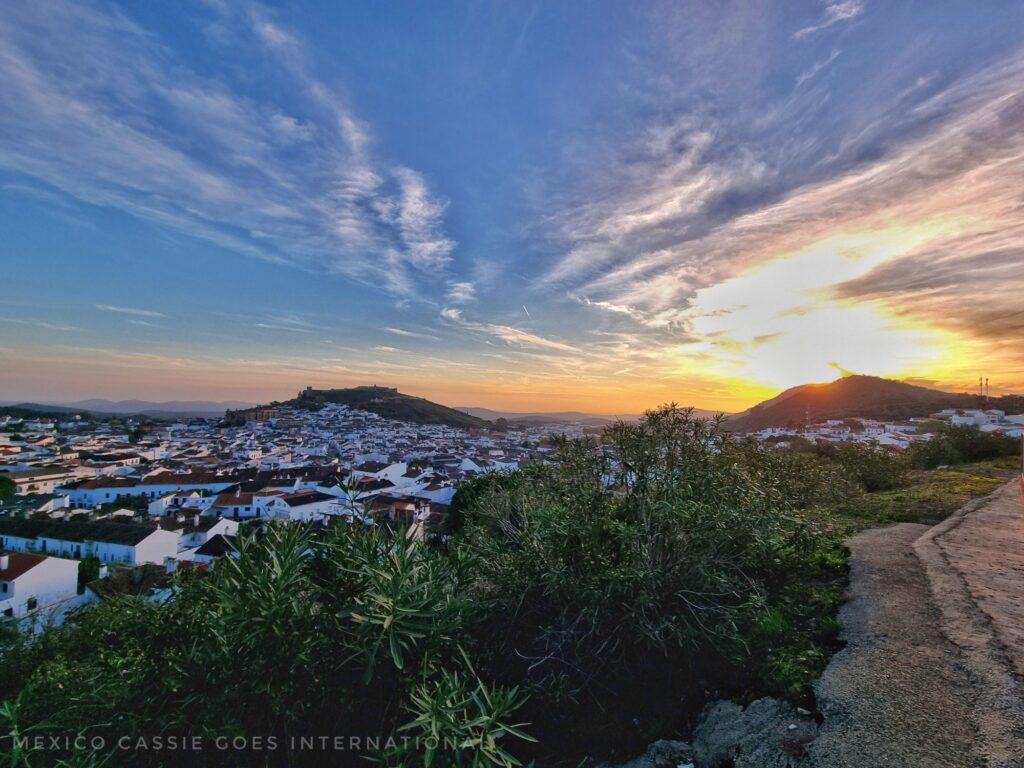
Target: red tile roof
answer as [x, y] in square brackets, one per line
[19, 563]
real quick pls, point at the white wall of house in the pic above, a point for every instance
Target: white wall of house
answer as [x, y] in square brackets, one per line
[42, 483]
[223, 526]
[153, 549]
[306, 512]
[49, 582]
[156, 547]
[94, 496]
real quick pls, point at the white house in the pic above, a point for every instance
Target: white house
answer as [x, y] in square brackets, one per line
[40, 480]
[378, 470]
[29, 582]
[110, 542]
[976, 417]
[176, 501]
[217, 546]
[100, 491]
[304, 506]
[199, 530]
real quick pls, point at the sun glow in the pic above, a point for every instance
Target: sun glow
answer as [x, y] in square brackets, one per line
[782, 323]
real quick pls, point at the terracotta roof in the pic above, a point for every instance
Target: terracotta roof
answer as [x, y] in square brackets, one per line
[233, 500]
[371, 466]
[301, 498]
[19, 563]
[192, 478]
[107, 482]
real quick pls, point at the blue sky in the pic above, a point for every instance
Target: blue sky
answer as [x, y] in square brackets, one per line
[592, 205]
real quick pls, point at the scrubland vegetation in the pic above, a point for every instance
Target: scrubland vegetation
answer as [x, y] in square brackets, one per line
[579, 609]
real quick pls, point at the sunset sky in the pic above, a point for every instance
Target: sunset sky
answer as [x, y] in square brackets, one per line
[527, 206]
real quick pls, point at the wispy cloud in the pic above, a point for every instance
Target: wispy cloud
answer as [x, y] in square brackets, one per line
[461, 292]
[906, 233]
[835, 12]
[44, 324]
[411, 334]
[141, 131]
[130, 311]
[519, 337]
[506, 333]
[282, 327]
[816, 68]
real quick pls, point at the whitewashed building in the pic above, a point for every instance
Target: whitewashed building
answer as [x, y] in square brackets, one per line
[109, 542]
[29, 582]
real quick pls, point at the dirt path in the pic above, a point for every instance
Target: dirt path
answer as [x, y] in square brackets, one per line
[898, 695]
[984, 545]
[975, 566]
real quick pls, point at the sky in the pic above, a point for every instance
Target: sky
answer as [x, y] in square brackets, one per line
[600, 206]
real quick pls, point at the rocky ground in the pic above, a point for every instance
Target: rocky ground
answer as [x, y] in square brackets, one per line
[930, 674]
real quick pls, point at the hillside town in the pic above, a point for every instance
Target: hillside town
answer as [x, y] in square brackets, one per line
[154, 497]
[896, 435]
[142, 499]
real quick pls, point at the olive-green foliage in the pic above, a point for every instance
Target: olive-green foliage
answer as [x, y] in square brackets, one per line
[300, 635]
[870, 467]
[461, 722]
[88, 570]
[627, 578]
[7, 487]
[589, 602]
[962, 444]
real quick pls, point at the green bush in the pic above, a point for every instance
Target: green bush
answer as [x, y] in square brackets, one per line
[589, 603]
[871, 467]
[88, 570]
[627, 578]
[962, 444]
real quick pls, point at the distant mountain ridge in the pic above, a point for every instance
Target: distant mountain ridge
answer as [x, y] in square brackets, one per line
[389, 403]
[174, 409]
[865, 396]
[197, 407]
[571, 417]
[38, 410]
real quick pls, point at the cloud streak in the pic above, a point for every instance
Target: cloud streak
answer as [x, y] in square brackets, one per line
[411, 334]
[129, 311]
[140, 131]
[835, 12]
[913, 237]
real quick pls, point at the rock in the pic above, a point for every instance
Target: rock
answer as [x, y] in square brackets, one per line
[669, 754]
[759, 736]
[662, 754]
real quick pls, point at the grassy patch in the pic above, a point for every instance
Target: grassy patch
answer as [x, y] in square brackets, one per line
[928, 498]
[799, 636]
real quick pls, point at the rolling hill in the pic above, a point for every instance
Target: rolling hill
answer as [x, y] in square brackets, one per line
[175, 407]
[389, 404]
[36, 411]
[866, 396]
[564, 417]
[121, 408]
